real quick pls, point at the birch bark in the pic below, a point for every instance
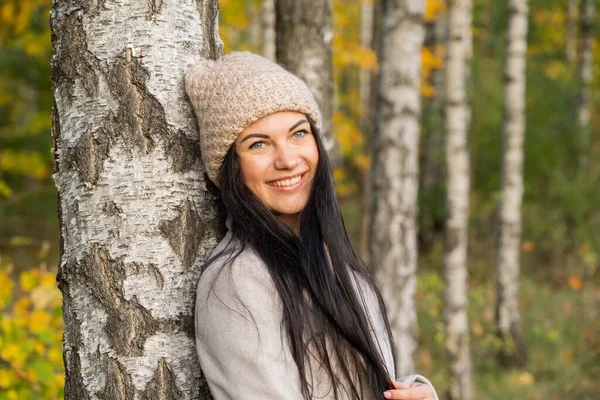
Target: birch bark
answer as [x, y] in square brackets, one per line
[267, 15]
[303, 46]
[571, 37]
[586, 63]
[136, 216]
[509, 251]
[393, 246]
[458, 175]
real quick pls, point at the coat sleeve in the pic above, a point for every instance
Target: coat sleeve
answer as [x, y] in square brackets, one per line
[379, 332]
[241, 346]
[418, 378]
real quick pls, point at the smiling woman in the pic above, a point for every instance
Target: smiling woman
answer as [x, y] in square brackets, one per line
[279, 163]
[284, 308]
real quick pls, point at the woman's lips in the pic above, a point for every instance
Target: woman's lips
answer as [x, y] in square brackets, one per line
[287, 185]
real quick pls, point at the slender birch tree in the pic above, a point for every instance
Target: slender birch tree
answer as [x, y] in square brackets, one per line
[136, 216]
[586, 63]
[509, 243]
[303, 45]
[457, 114]
[571, 36]
[267, 16]
[393, 246]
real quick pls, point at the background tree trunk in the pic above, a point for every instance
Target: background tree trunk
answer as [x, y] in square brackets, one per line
[303, 45]
[267, 14]
[586, 63]
[509, 244]
[457, 160]
[393, 247]
[136, 216]
[571, 37]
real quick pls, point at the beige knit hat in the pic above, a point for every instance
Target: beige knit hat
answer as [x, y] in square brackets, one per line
[236, 90]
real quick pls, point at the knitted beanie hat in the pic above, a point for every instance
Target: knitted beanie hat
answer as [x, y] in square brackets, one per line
[230, 93]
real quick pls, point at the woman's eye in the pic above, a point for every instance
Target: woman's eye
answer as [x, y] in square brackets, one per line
[257, 145]
[300, 133]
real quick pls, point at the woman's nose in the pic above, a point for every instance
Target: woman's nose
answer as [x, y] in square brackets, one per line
[286, 158]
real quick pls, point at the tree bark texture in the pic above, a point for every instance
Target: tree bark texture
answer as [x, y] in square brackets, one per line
[393, 246]
[267, 16]
[571, 37]
[458, 175]
[509, 244]
[303, 46]
[586, 63]
[136, 216]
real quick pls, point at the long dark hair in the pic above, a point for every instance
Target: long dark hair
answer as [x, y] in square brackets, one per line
[315, 274]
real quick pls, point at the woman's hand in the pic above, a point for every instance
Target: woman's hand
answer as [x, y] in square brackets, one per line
[410, 391]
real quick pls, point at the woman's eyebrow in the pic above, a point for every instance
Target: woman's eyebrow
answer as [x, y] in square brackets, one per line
[297, 124]
[254, 135]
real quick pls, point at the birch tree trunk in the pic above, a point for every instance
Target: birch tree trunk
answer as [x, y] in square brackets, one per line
[457, 160]
[136, 217]
[303, 46]
[586, 63]
[509, 244]
[571, 37]
[393, 247]
[267, 15]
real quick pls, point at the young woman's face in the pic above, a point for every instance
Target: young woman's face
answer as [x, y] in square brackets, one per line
[278, 156]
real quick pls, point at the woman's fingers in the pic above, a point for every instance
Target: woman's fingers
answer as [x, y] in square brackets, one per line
[404, 391]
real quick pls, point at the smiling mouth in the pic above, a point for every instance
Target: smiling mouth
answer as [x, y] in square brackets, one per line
[286, 182]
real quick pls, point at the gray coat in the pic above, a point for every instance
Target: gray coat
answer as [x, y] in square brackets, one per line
[241, 345]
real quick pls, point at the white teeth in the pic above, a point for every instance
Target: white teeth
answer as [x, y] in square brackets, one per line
[286, 182]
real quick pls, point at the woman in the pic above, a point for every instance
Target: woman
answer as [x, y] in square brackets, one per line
[284, 309]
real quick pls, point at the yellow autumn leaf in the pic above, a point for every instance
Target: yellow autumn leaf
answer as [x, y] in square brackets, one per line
[477, 329]
[31, 375]
[49, 281]
[527, 246]
[39, 321]
[5, 378]
[55, 356]
[21, 307]
[525, 378]
[6, 287]
[29, 280]
[10, 352]
[432, 8]
[575, 283]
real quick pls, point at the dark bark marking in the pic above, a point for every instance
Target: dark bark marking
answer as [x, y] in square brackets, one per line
[140, 118]
[183, 151]
[163, 384]
[154, 7]
[157, 275]
[208, 10]
[74, 387]
[71, 59]
[183, 244]
[111, 208]
[129, 324]
[88, 156]
[118, 381]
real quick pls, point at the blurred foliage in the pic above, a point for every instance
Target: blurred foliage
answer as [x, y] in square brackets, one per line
[31, 327]
[561, 216]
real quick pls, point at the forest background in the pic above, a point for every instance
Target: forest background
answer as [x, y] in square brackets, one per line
[560, 294]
